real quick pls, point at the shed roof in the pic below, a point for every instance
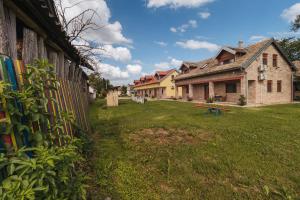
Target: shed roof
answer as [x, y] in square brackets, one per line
[43, 13]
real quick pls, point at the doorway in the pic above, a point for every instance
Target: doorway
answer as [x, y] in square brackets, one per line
[206, 91]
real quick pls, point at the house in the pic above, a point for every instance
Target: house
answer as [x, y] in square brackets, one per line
[130, 90]
[160, 85]
[260, 72]
[297, 81]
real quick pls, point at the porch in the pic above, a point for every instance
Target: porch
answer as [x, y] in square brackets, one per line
[296, 92]
[220, 90]
[152, 92]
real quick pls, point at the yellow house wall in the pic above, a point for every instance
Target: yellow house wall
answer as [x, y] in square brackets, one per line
[146, 87]
[169, 86]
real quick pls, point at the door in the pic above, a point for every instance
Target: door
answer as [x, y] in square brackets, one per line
[206, 91]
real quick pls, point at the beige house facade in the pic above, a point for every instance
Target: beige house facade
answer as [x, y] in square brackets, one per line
[297, 81]
[260, 72]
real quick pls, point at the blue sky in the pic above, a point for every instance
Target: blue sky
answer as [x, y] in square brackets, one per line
[149, 35]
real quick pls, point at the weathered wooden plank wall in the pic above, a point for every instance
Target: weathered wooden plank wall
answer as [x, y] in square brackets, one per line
[72, 95]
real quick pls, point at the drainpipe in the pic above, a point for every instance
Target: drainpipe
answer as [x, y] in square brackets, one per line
[293, 88]
[246, 87]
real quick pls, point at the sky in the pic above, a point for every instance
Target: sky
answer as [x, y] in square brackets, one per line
[139, 37]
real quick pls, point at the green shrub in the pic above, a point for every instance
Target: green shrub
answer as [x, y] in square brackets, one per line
[56, 169]
[52, 173]
[242, 100]
[210, 100]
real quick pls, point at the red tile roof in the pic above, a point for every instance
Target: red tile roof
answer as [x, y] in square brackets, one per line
[163, 73]
[151, 79]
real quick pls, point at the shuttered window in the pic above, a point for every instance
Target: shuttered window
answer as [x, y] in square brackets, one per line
[269, 86]
[275, 63]
[279, 86]
[265, 59]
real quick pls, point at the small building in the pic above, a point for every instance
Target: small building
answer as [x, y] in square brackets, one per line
[118, 90]
[130, 90]
[297, 81]
[261, 72]
[160, 85]
[92, 93]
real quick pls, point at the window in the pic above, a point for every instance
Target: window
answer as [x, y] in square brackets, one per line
[231, 88]
[297, 86]
[279, 86]
[226, 62]
[265, 59]
[269, 86]
[275, 60]
[187, 89]
[172, 77]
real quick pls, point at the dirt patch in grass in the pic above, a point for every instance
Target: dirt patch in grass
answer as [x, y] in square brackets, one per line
[171, 136]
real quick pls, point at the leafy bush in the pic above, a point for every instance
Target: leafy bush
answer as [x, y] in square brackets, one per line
[53, 173]
[210, 100]
[55, 169]
[242, 100]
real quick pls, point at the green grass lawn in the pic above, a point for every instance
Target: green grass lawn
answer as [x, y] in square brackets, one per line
[172, 150]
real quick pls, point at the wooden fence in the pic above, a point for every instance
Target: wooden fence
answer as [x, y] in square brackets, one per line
[22, 45]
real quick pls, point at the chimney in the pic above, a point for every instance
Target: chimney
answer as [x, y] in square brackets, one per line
[241, 44]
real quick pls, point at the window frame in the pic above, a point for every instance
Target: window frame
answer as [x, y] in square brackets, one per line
[269, 86]
[265, 58]
[172, 77]
[279, 86]
[231, 90]
[275, 60]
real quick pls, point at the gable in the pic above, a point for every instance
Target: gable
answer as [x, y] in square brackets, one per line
[167, 80]
[273, 50]
[273, 43]
[225, 56]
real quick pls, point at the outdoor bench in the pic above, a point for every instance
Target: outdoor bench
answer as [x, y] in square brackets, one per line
[213, 109]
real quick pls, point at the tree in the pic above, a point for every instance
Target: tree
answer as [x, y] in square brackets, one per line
[296, 24]
[100, 84]
[291, 47]
[124, 90]
[77, 27]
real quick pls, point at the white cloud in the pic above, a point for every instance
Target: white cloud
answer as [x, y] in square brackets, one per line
[109, 32]
[284, 34]
[257, 38]
[112, 72]
[173, 29]
[183, 28]
[118, 75]
[134, 69]
[160, 43]
[122, 54]
[171, 63]
[195, 44]
[291, 13]
[204, 15]
[177, 3]
[138, 62]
